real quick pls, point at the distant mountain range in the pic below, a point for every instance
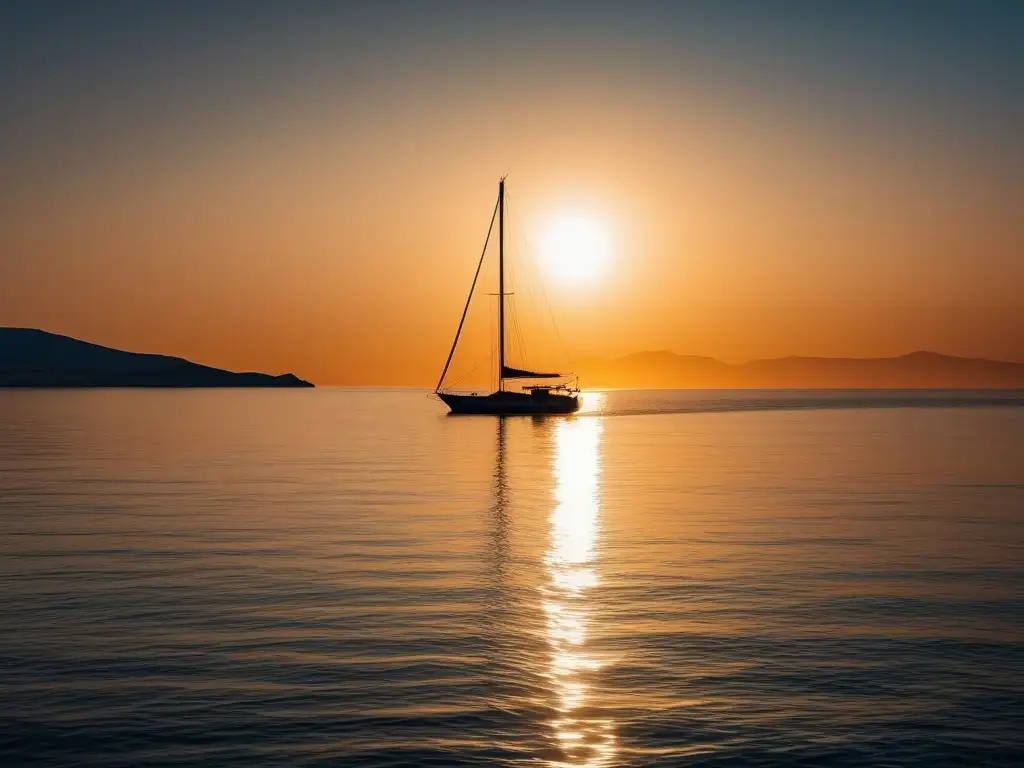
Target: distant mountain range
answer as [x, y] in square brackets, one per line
[657, 370]
[34, 358]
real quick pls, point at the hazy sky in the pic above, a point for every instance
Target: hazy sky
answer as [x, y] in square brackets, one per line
[306, 186]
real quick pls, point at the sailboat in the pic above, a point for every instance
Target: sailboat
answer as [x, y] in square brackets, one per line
[544, 398]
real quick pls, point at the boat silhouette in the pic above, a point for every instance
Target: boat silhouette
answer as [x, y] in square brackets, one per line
[544, 398]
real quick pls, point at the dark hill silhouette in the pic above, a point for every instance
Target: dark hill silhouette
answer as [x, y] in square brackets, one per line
[34, 358]
[917, 370]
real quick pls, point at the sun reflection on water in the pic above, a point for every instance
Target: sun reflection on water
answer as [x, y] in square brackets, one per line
[591, 402]
[585, 737]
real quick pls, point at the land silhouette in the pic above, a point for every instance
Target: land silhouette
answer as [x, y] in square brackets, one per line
[33, 358]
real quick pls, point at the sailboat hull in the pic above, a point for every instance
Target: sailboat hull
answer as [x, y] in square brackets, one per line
[511, 403]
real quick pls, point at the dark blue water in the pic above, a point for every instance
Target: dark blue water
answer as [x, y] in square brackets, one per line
[352, 578]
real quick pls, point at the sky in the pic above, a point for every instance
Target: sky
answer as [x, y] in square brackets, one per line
[306, 186]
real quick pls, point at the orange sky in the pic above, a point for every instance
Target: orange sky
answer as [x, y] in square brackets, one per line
[327, 222]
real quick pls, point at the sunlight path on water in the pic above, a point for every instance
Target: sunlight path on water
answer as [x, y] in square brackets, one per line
[572, 569]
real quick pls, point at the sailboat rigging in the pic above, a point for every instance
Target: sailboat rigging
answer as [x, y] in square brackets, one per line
[531, 399]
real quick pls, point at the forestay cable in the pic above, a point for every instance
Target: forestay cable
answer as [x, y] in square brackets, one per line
[469, 298]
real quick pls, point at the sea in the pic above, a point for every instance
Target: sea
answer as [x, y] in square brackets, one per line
[338, 577]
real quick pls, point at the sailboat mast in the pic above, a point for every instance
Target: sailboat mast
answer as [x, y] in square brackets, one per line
[501, 284]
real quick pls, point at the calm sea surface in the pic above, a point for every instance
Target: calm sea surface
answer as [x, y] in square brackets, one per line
[353, 578]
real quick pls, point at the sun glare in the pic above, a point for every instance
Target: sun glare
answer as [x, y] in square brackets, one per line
[576, 248]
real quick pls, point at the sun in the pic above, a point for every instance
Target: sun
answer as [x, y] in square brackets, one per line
[576, 248]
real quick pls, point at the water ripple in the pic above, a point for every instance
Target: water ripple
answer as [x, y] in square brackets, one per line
[349, 578]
